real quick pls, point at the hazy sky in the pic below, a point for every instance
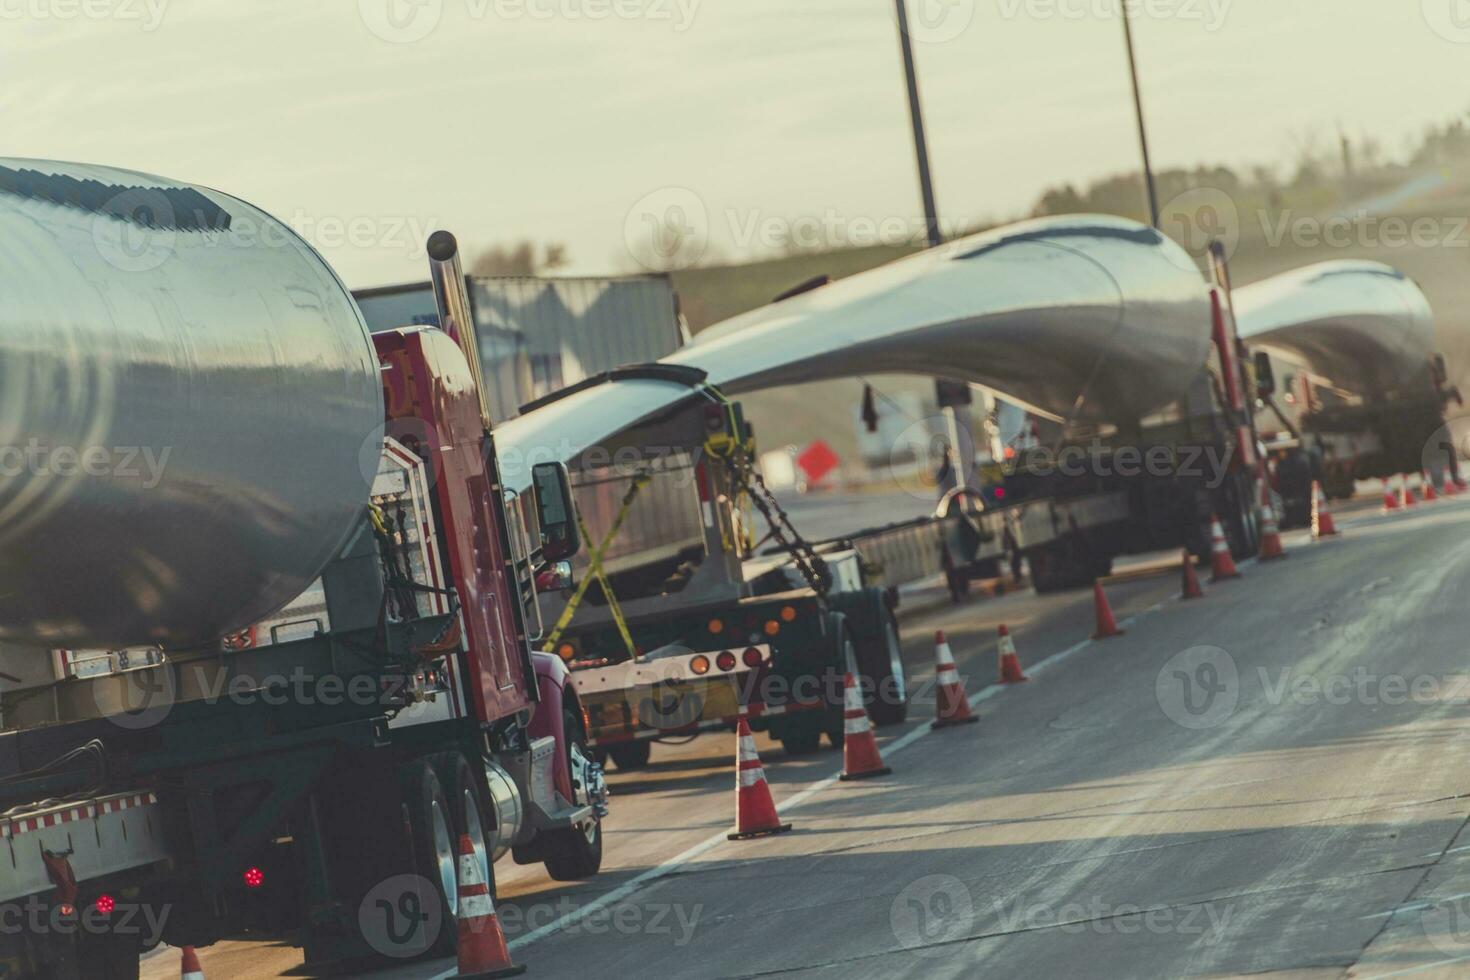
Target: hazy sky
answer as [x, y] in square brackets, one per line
[367, 123]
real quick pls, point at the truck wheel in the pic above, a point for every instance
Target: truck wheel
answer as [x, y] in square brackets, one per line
[576, 852]
[467, 809]
[870, 623]
[890, 704]
[431, 837]
[105, 956]
[1236, 509]
[847, 657]
[1294, 473]
[1063, 564]
[803, 742]
[630, 756]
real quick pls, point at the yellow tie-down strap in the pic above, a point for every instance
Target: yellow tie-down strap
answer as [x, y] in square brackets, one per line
[598, 574]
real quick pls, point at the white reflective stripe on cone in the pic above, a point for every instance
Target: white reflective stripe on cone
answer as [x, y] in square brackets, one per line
[749, 777]
[469, 870]
[475, 907]
[855, 726]
[948, 676]
[747, 747]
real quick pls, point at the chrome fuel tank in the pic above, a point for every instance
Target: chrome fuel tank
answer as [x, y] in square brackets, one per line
[190, 409]
[1363, 326]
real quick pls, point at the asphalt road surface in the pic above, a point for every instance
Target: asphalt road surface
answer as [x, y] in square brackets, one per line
[1269, 781]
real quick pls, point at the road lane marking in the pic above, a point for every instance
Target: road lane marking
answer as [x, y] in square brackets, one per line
[1418, 969]
[634, 885]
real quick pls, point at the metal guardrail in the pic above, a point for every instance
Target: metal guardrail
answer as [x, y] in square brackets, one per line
[911, 551]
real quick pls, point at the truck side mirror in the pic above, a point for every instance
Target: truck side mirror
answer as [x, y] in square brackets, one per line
[559, 537]
[1265, 375]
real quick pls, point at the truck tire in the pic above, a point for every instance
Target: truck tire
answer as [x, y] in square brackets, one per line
[432, 840]
[576, 852]
[468, 810]
[1294, 475]
[1235, 506]
[105, 956]
[802, 735]
[883, 664]
[630, 756]
[846, 651]
[879, 654]
[1067, 563]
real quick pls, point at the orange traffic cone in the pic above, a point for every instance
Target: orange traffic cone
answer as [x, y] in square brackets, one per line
[1406, 492]
[1010, 664]
[1429, 491]
[1222, 563]
[952, 707]
[1190, 587]
[482, 950]
[1390, 499]
[1106, 625]
[755, 811]
[860, 756]
[1271, 548]
[1323, 526]
[189, 968]
[1450, 490]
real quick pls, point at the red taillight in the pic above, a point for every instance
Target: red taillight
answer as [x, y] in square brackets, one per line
[104, 904]
[254, 877]
[726, 661]
[752, 657]
[1000, 493]
[700, 665]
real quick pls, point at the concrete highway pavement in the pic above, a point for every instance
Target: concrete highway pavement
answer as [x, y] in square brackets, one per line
[1272, 780]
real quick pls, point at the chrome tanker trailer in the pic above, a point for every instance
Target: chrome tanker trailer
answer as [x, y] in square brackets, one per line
[196, 427]
[1346, 365]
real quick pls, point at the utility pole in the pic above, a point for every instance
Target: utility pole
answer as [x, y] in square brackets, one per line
[916, 116]
[950, 395]
[1148, 169]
